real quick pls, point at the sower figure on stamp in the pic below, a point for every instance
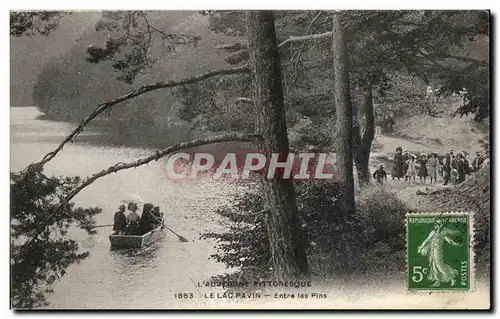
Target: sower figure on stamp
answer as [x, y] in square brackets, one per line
[439, 271]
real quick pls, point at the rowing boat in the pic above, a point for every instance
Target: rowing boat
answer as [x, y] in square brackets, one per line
[138, 241]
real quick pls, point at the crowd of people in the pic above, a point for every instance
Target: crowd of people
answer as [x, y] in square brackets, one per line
[453, 168]
[131, 223]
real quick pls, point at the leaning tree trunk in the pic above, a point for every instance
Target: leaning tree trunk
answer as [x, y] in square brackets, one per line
[363, 144]
[344, 113]
[288, 246]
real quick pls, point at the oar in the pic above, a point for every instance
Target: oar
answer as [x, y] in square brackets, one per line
[180, 237]
[102, 226]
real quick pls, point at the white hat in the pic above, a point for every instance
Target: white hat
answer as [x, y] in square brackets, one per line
[133, 198]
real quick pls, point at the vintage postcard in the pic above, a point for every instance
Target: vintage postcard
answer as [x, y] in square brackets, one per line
[206, 159]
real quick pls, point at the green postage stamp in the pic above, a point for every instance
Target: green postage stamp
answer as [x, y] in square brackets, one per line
[440, 253]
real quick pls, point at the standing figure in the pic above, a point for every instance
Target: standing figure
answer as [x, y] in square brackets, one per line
[454, 160]
[432, 246]
[447, 168]
[380, 175]
[477, 163]
[412, 169]
[461, 168]
[432, 166]
[406, 157]
[398, 164]
[466, 162]
[422, 170]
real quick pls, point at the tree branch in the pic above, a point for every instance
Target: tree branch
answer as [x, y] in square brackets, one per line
[230, 137]
[237, 137]
[465, 59]
[297, 56]
[305, 38]
[232, 47]
[244, 100]
[144, 89]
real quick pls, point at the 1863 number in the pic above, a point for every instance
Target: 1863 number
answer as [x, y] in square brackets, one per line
[184, 295]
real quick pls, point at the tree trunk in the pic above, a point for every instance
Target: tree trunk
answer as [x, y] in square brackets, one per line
[344, 113]
[286, 238]
[363, 145]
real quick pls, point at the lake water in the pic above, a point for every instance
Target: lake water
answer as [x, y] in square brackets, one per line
[125, 279]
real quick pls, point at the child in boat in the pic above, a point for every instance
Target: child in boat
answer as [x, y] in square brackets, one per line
[132, 220]
[120, 221]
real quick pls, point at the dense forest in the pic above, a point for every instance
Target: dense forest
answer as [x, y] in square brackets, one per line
[280, 80]
[68, 87]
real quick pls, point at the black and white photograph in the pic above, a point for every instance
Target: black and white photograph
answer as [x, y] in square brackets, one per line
[250, 159]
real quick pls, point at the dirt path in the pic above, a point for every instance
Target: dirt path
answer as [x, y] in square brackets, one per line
[384, 150]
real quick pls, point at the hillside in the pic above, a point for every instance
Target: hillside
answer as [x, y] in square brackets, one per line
[423, 133]
[68, 87]
[28, 55]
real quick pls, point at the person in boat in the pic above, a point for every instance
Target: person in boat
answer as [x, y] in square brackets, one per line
[120, 221]
[132, 219]
[157, 216]
[147, 222]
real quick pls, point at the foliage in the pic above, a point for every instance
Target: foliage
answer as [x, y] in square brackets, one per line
[383, 216]
[399, 51]
[245, 242]
[214, 104]
[401, 95]
[432, 45]
[34, 22]
[476, 82]
[379, 222]
[40, 249]
[130, 52]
